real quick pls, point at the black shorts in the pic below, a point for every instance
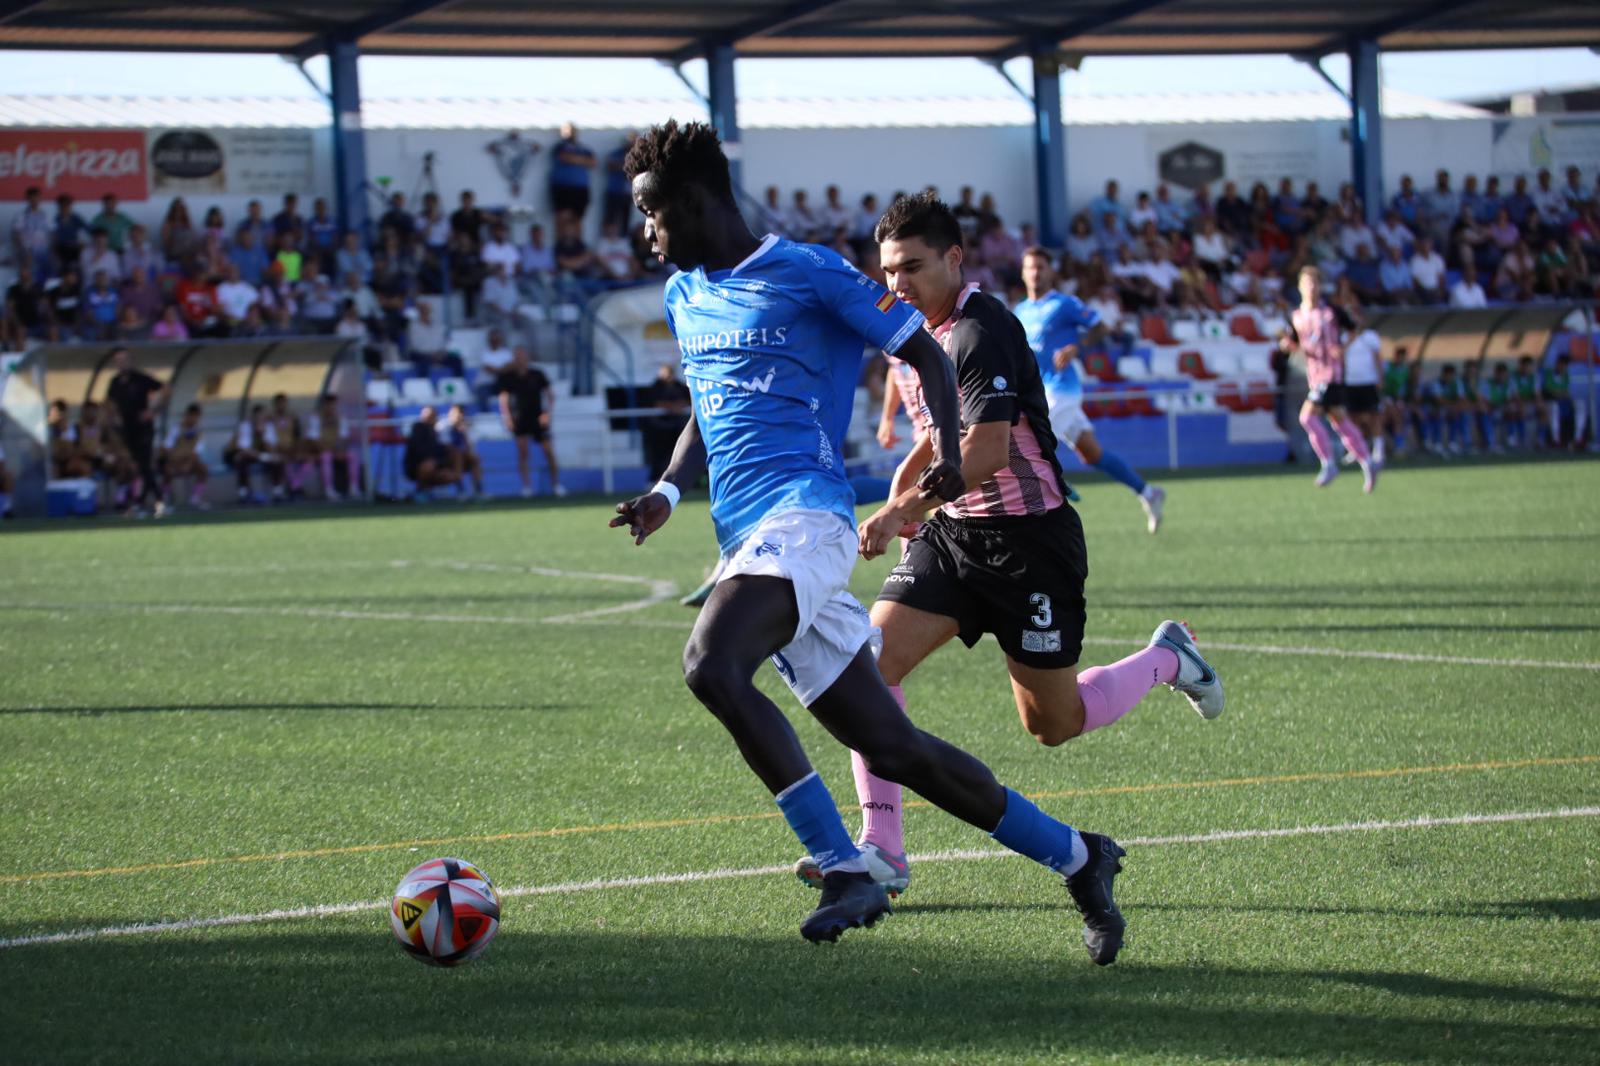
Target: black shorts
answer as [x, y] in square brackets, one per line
[1018, 578]
[1329, 395]
[1360, 399]
[529, 427]
[574, 198]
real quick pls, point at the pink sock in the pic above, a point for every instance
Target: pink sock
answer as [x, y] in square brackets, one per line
[352, 467]
[1109, 692]
[1321, 443]
[1352, 438]
[327, 471]
[882, 822]
[197, 492]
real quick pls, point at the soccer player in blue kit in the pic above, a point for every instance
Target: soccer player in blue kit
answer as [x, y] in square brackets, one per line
[1059, 327]
[771, 332]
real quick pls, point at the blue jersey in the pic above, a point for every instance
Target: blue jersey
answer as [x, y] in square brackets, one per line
[1052, 322]
[772, 353]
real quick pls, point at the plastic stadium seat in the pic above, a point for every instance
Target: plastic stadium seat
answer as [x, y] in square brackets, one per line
[1222, 362]
[381, 392]
[1192, 364]
[1164, 363]
[1099, 365]
[454, 390]
[1213, 329]
[417, 391]
[1580, 348]
[1133, 368]
[1184, 331]
[469, 344]
[1153, 328]
[1245, 327]
[1255, 362]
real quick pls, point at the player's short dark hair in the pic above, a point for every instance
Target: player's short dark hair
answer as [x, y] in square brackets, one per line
[682, 155]
[923, 215]
[1039, 250]
[192, 409]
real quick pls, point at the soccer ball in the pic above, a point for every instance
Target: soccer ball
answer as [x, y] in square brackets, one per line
[445, 912]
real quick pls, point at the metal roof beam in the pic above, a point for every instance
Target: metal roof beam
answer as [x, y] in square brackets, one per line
[375, 23]
[781, 19]
[1118, 12]
[15, 9]
[1404, 20]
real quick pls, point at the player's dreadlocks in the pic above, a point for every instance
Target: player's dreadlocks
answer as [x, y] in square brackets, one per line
[682, 155]
[923, 215]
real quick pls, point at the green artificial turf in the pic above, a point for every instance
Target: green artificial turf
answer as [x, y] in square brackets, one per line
[229, 718]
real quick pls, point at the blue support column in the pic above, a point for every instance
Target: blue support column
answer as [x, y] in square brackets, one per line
[1049, 149]
[1366, 128]
[725, 108]
[349, 140]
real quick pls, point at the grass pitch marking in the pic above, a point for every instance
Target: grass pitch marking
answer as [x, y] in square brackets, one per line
[726, 819]
[968, 855]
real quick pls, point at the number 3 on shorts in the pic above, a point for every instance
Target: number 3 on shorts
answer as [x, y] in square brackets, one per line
[1041, 615]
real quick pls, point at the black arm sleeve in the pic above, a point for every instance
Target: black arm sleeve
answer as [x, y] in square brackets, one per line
[923, 354]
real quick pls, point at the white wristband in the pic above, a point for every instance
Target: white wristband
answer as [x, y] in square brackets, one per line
[670, 491]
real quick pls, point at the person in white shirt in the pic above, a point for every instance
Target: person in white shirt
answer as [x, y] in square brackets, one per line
[1574, 192]
[800, 221]
[866, 219]
[1467, 293]
[1428, 270]
[1363, 368]
[499, 249]
[183, 454]
[1355, 234]
[1549, 201]
[235, 296]
[835, 215]
[1393, 233]
[427, 343]
[538, 258]
[499, 296]
[1161, 271]
[328, 434]
[1143, 211]
[491, 364]
[255, 443]
[614, 252]
[1211, 248]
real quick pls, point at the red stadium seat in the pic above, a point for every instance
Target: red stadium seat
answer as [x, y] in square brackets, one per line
[1580, 349]
[1101, 366]
[1244, 327]
[1153, 328]
[1192, 364]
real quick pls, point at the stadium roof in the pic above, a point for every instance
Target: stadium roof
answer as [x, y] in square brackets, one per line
[680, 29]
[80, 112]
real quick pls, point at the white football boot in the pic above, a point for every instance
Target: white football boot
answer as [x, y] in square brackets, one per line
[893, 872]
[1196, 680]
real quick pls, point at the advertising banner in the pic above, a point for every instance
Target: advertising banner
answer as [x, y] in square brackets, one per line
[84, 164]
[265, 162]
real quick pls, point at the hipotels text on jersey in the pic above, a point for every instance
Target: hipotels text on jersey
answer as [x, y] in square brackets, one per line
[761, 337]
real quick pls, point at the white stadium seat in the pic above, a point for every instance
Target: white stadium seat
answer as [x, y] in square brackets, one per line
[454, 390]
[417, 391]
[380, 391]
[1133, 367]
[1164, 362]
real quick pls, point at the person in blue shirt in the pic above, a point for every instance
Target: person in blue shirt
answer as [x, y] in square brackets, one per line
[570, 164]
[771, 333]
[619, 194]
[1059, 328]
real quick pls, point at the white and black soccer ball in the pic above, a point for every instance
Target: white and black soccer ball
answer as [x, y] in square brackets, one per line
[445, 912]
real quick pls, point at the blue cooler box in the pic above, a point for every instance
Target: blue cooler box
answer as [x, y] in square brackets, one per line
[71, 496]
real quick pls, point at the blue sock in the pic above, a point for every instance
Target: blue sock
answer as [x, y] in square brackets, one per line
[5, 502]
[1485, 430]
[1029, 831]
[814, 817]
[1112, 466]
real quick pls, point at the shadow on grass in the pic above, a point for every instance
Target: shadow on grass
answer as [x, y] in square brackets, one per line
[368, 705]
[304, 994]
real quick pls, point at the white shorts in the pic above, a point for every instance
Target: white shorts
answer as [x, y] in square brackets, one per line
[814, 551]
[1067, 420]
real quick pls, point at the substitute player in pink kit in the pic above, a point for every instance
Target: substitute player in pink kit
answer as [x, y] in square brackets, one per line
[1316, 334]
[1008, 556]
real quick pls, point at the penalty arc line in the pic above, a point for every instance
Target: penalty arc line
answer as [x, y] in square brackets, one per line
[649, 880]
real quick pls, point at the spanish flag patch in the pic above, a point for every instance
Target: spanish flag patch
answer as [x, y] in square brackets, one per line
[885, 302]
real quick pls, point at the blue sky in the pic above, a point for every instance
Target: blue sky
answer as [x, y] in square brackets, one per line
[1445, 75]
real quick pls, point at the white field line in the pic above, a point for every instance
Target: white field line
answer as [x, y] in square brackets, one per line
[1389, 656]
[649, 880]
